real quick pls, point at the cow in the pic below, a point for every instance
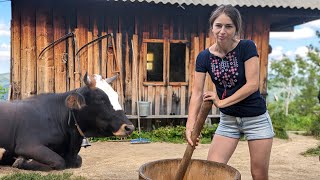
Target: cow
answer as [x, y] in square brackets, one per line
[45, 132]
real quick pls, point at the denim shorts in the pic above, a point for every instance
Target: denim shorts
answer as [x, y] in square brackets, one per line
[257, 127]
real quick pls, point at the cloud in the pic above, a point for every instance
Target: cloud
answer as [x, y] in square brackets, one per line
[277, 53]
[302, 33]
[301, 51]
[312, 24]
[5, 46]
[4, 55]
[4, 29]
[4, 52]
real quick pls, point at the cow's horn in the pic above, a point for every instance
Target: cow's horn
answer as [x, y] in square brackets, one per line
[111, 79]
[86, 79]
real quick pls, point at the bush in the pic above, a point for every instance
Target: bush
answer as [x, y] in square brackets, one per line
[315, 127]
[312, 151]
[279, 120]
[298, 122]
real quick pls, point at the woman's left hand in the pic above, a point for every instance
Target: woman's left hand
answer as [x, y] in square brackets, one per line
[212, 96]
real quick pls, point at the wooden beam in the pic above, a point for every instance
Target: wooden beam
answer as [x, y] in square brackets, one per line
[43, 38]
[119, 65]
[264, 57]
[96, 50]
[127, 75]
[16, 64]
[59, 53]
[135, 69]
[28, 53]
[168, 116]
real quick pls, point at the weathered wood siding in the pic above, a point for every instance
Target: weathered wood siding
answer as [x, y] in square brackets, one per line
[35, 25]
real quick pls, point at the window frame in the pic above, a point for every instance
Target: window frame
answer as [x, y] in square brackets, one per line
[166, 62]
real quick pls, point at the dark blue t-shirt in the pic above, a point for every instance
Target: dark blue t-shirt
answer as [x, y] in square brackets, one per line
[228, 75]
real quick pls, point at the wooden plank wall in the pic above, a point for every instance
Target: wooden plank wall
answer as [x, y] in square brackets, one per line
[58, 70]
[257, 28]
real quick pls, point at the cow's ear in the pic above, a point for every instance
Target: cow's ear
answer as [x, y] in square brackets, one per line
[75, 101]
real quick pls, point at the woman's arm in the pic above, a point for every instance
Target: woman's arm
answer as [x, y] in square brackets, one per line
[195, 103]
[251, 86]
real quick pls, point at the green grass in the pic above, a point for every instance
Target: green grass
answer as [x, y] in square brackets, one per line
[312, 151]
[38, 176]
[167, 134]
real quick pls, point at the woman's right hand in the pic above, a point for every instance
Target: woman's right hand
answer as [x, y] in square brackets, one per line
[188, 137]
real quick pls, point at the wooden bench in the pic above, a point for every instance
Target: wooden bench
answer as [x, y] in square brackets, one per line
[168, 116]
[147, 120]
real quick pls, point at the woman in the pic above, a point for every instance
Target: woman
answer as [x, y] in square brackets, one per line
[233, 65]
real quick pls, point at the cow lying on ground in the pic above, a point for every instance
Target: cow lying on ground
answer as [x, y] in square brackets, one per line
[40, 133]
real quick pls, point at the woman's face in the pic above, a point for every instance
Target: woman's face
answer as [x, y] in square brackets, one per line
[223, 29]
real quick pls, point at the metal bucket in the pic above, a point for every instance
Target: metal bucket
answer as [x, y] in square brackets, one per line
[144, 108]
[198, 170]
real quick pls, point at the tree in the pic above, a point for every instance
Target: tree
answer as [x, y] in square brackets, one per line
[3, 91]
[309, 68]
[284, 80]
[297, 81]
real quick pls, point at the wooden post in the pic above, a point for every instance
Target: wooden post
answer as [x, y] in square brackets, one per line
[60, 56]
[135, 68]
[128, 82]
[119, 68]
[90, 53]
[28, 53]
[15, 51]
[96, 58]
[104, 55]
[264, 57]
[194, 53]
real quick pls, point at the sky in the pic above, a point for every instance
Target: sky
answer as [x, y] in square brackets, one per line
[283, 43]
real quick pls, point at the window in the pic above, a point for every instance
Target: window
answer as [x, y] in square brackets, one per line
[155, 62]
[165, 61]
[177, 62]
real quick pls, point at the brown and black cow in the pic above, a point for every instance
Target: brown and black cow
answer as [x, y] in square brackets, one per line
[40, 133]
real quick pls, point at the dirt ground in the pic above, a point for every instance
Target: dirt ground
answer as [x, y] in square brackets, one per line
[121, 160]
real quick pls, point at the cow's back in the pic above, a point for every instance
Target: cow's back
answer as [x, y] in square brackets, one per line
[36, 119]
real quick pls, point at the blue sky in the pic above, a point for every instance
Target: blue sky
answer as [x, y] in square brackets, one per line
[288, 43]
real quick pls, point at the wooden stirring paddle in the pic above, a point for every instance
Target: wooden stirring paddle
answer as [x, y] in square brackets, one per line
[204, 111]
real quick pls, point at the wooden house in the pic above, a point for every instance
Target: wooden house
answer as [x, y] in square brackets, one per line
[153, 45]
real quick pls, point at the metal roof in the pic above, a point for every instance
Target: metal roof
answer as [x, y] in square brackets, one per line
[304, 4]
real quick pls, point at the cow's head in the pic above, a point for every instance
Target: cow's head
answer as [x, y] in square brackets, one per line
[100, 111]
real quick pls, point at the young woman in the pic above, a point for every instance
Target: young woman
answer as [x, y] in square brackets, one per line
[233, 65]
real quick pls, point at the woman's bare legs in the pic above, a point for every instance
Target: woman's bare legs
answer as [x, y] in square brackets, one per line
[260, 151]
[222, 148]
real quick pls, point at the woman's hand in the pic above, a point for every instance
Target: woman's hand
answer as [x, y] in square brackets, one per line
[212, 96]
[188, 137]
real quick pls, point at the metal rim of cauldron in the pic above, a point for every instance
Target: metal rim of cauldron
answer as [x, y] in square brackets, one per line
[238, 175]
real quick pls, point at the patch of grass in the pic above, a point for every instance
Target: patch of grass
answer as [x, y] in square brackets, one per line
[38, 176]
[312, 151]
[315, 127]
[167, 134]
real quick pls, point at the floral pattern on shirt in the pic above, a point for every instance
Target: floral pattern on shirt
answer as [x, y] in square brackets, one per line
[225, 70]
